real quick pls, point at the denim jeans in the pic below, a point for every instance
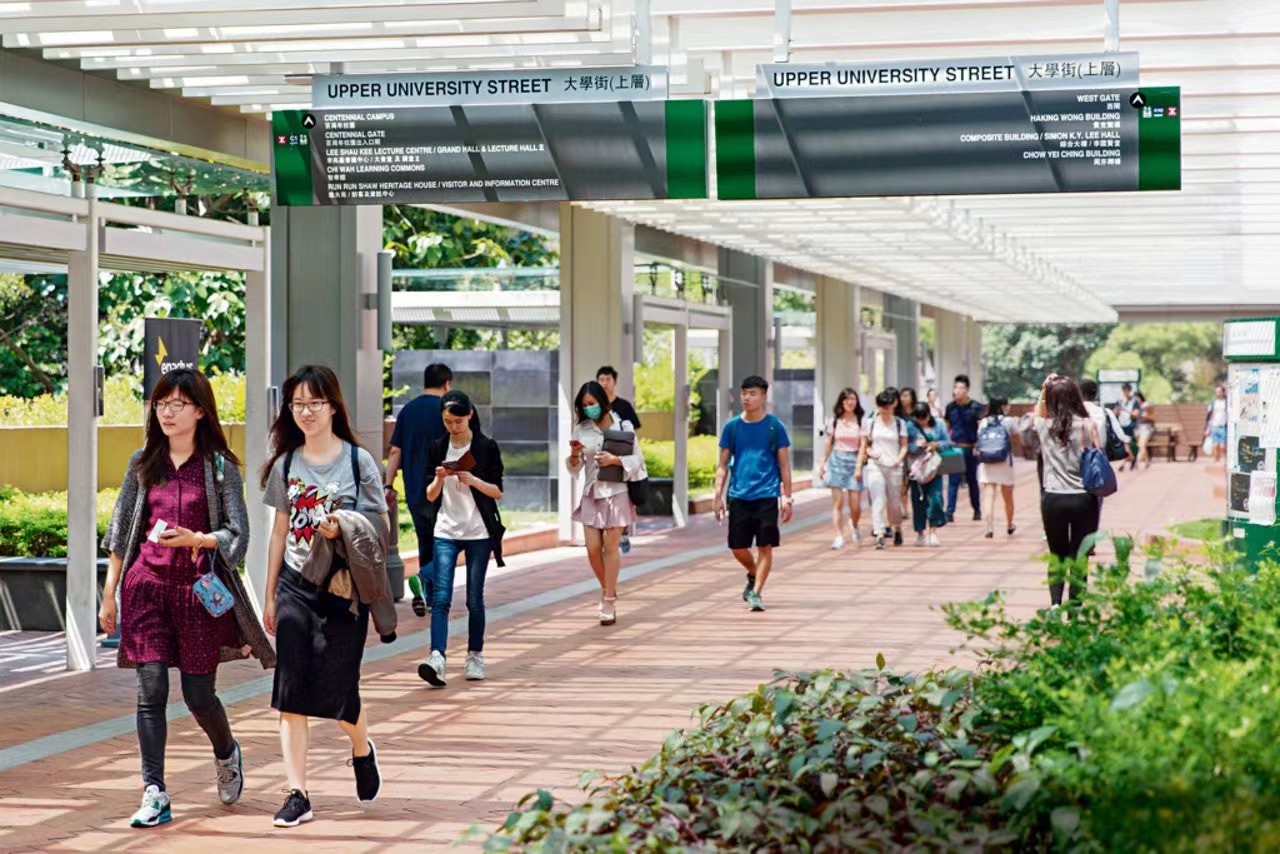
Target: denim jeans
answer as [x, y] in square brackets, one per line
[423, 527]
[446, 562]
[970, 477]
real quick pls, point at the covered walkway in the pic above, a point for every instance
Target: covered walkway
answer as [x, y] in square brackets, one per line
[563, 694]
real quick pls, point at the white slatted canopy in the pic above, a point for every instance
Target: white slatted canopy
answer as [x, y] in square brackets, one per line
[1062, 257]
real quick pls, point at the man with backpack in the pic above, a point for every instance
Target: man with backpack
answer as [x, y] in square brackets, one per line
[963, 414]
[1115, 439]
[755, 464]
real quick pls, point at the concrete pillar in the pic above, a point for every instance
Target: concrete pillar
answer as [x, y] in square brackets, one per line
[324, 270]
[903, 318]
[977, 373]
[959, 351]
[82, 447]
[747, 281]
[838, 351]
[258, 417]
[597, 275]
[680, 463]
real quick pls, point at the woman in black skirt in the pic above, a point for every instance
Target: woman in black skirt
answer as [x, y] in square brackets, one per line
[317, 467]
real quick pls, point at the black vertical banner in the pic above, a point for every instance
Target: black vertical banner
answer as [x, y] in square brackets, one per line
[170, 343]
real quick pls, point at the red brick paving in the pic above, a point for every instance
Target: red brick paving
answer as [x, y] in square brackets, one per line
[563, 695]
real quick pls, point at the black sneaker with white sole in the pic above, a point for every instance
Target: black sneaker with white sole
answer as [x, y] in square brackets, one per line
[368, 778]
[296, 810]
[751, 585]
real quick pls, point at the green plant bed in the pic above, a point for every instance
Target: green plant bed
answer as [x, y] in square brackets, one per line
[704, 455]
[1141, 718]
[1205, 530]
[35, 524]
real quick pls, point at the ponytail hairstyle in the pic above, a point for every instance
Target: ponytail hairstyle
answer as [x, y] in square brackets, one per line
[458, 404]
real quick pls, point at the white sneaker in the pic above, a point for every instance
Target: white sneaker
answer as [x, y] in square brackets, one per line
[837, 543]
[920, 540]
[432, 670]
[934, 542]
[473, 669]
[154, 809]
[230, 775]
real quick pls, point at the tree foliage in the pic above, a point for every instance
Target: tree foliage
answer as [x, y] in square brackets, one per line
[1016, 357]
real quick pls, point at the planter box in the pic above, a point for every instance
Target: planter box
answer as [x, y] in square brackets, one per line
[33, 593]
[659, 500]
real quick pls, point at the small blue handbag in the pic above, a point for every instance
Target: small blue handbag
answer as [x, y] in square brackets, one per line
[213, 594]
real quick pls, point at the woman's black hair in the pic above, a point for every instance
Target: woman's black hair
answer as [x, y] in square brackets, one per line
[286, 435]
[903, 411]
[996, 405]
[922, 412]
[1065, 404]
[888, 397]
[858, 411]
[193, 387]
[594, 389]
[457, 403]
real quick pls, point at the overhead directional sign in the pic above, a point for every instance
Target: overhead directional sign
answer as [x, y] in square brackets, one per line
[1076, 140]
[489, 153]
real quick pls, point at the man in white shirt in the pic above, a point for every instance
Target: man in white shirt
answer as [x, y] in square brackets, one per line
[1101, 416]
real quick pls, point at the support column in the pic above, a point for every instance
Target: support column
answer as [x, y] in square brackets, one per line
[959, 351]
[257, 420]
[977, 373]
[839, 345]
[747, 281]
[680, 422]
[724, 379]
[597, 275]
[903, 318]
[82, 446]
[323, 307]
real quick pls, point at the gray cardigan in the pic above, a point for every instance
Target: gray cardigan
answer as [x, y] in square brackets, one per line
[229, 525]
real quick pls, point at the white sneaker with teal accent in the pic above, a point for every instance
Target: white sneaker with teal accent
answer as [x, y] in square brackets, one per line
[230, 773]
[154, 809]
[473, 669]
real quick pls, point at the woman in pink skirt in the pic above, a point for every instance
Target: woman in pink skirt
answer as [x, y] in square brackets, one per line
[605, 510]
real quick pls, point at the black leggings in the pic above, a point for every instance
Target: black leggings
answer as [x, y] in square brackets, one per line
[1068, 519]
[153, 726]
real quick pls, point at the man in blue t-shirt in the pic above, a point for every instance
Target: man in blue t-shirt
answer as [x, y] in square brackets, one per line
[417, 426]
[963, 414]
[756, 464]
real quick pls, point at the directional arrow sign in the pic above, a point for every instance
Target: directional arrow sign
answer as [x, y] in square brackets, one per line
[308, 121]
[1137, 100]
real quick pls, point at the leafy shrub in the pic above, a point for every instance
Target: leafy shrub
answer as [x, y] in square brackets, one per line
[35, 524]
[122, 403]
[704, 454]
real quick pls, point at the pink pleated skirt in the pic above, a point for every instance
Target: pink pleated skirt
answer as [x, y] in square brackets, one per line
[616, 511]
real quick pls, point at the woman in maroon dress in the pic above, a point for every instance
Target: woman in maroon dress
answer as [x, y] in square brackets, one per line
[180, 506]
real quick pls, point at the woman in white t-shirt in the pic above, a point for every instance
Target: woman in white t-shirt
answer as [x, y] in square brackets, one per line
[884, 447]
[998, 477]
[844, 442]
[605, 510]
[1215, 424]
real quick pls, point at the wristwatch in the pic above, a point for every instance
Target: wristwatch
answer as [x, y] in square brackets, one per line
[787, 499]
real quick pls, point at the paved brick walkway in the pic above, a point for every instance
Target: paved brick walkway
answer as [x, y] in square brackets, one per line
[563, 695]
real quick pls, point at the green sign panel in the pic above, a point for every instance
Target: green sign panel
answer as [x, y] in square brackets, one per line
[975, 143]
[492, 153]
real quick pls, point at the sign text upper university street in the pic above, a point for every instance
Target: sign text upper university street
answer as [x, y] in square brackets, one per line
[965, 143]
[491, 153]
[549, 85]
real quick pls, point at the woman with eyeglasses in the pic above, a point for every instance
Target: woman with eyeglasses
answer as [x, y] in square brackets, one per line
[317, 467]
[181, 516]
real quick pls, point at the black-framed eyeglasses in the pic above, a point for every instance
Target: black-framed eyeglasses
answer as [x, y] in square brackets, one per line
[174, 406]
[297, 407]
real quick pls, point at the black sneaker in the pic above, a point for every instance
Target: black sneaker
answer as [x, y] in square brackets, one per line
[296, 810]
[977, 515]
[751, 585]
[368, 778]
[897, 538]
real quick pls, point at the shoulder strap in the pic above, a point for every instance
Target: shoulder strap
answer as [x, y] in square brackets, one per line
[355, 471]
[732, 427]
[773, 435]
[288, 464]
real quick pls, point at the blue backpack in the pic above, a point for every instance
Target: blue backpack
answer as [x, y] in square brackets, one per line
[994, 444]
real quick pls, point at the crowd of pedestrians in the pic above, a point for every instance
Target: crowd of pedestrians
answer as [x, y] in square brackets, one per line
[180, 530]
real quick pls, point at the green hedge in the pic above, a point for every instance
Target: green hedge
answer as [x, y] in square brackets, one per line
[1142, 719]
[659, 458]
[35, 524]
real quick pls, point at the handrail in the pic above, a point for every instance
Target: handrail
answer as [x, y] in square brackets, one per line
[111, 212]
[46, 202]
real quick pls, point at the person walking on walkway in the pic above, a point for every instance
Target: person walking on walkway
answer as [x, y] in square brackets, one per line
[934, 406]
[907, 400]
[1070, 512]
[417, 426]
[840, 461]
[1144, 427]
[755, 464]
[1215, 424]
[463, 510]
[926, 434]
[962, 415]
[607, 377]
[317, 470]
[880, 465]
[180, 523]
[996, 447]
[605, 508]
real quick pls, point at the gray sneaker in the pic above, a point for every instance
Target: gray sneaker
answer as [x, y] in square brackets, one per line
[754, 601]
[473, 669]
[432, 670]
[230, 773]
[154, 810]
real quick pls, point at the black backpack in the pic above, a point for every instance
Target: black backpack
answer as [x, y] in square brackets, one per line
[1117, 449]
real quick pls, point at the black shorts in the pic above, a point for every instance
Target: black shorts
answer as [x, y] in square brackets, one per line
[753, 521]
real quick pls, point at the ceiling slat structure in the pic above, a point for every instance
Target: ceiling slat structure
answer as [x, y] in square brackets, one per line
[998, 258]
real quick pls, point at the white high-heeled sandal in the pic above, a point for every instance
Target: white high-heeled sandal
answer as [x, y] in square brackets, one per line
[610, 616]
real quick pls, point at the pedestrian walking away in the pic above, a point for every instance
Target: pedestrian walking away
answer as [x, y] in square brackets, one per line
[466, 468]
[607, 377]
[1070, 512]
[175, 542]
[1144, 427]
[963, 414]
[604, 454]
[998, 443]
[324, 487]
[880, 466]
[1215, 425]
[926, 436]
[418, 425]
[839, 464]
[755, 465]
